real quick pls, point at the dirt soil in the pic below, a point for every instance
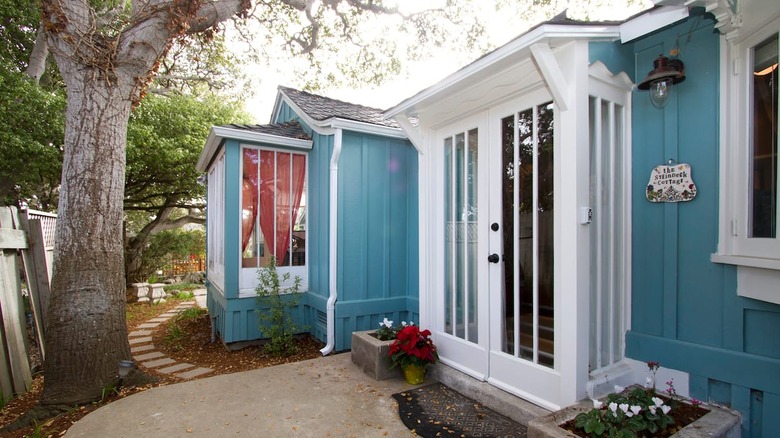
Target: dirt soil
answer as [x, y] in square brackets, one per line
[189, 342]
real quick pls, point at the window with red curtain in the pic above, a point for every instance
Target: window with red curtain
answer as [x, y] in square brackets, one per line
[273, 210]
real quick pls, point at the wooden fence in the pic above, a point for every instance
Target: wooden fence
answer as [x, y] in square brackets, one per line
[26, 247]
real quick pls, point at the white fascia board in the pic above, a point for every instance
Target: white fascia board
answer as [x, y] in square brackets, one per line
[218, 133]
[514, 49]
[651, 21]
[363, 127]
[210, 148]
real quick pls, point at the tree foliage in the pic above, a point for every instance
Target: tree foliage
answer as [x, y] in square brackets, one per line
[31, 116]
[164, 139]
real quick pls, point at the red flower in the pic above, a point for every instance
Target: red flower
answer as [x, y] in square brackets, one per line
[413, 346]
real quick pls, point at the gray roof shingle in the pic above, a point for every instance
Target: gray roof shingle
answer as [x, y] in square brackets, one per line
[322, 108]
[289, 129]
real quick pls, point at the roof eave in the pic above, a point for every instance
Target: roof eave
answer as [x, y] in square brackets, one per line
[518, 47]
[219, 133]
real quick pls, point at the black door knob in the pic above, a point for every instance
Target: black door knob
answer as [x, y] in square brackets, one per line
[493, 258]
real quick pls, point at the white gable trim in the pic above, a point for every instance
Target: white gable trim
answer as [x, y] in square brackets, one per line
[330, 125]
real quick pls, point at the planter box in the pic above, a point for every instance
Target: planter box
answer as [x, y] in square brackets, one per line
[371, 355]
[718, 423]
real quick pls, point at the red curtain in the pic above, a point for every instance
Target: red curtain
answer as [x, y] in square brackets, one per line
[280, 189]
[248, 196]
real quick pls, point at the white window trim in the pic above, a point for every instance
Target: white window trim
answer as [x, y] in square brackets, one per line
[216, 220]
[735, 136]
[757, 262]
[248, 276]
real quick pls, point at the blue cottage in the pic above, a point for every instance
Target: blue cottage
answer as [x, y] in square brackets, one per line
[551, 273]
[330, 190]
[549, 269]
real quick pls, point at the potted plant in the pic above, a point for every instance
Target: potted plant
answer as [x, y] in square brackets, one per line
[370, 349]
[413, 350]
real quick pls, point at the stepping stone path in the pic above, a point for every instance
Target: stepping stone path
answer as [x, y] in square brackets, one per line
[146, 354]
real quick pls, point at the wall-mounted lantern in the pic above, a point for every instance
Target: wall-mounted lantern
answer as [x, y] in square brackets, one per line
[666, 72]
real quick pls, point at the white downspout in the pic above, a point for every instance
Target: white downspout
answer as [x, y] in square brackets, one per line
[333, 237]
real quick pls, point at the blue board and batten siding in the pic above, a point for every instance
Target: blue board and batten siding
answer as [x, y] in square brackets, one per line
[377, 238]
[377, 252]
[685, 312]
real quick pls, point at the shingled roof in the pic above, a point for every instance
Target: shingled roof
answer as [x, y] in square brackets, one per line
[321, 108]
[289, 129]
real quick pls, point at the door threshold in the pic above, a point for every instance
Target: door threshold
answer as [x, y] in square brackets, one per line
[506, 404]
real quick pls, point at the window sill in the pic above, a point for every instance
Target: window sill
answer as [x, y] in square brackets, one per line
[753, 262]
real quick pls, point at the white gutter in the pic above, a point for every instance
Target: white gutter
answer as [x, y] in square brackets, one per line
[333, 252]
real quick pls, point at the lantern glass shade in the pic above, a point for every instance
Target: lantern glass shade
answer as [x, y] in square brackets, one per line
[660, 91]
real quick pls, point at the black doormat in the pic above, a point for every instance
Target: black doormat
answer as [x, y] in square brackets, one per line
[437, 410]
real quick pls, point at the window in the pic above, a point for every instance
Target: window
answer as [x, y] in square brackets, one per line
[749, 151]
[763, 155]
[215, 215]
[273, 208]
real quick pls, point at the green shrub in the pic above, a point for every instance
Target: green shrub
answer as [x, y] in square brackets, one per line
[276, 322]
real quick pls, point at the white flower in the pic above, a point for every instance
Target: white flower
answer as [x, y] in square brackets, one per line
[619, 389]
[403, 323]
[652, 409]
[666, 409]
[613, 407]
[636, 409]
[623, 407]
[657, 401]
[629, 414]
[597, 404]
[387, 323]
[648, 382]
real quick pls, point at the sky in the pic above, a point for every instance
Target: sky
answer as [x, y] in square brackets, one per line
[421, 74]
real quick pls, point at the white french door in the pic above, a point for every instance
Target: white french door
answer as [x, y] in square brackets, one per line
[494, 309]
[522, 353]
[461, 303]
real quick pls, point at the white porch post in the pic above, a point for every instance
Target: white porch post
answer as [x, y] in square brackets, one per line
[572, 270]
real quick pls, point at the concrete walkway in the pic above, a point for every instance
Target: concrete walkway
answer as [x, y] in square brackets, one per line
[324, 397]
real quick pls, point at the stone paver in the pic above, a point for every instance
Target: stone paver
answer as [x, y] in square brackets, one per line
[158, 362]
[149, 325]
[175, 368]
[142, 340]
[139, 333]
[194, 373]
[160, 319]
[141, 348]
[147, 356]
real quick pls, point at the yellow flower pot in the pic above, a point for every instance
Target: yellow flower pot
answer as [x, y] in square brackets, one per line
[414, 374]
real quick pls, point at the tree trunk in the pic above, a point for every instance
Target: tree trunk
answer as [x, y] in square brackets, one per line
[87, 332]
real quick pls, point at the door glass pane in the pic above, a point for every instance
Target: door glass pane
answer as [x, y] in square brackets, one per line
[546, 306]
[527, 197]
[472, 334]
[763, 211]
[460, 243]
[449, 234]
[508, 204]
